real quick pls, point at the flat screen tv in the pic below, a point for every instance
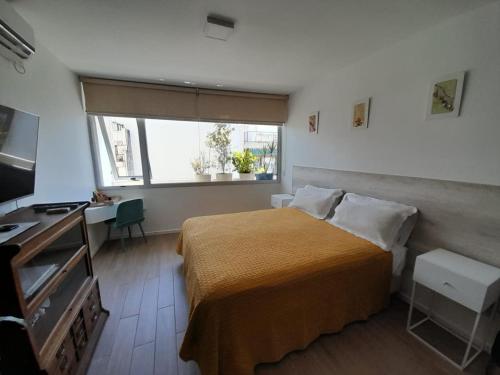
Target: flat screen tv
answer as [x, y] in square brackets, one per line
[18, 143]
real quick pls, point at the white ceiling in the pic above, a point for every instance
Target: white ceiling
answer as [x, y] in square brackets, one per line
[278, 45]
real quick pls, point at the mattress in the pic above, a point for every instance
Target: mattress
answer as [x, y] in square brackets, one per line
[263, 283]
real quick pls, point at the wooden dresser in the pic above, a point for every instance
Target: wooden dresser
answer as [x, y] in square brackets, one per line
[51, 313]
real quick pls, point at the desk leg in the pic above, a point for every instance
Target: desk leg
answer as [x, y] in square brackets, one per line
[408, 324]
[471, 340]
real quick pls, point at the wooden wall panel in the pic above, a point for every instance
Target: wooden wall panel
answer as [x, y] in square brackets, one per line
[458, 216]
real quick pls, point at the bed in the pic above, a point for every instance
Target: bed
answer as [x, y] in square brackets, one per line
[263, 283]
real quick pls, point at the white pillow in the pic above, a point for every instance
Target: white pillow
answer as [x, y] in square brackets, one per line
[316, 202]
[375, 220]
[338, 193]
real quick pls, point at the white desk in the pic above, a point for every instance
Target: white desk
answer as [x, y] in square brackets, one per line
[94, 215]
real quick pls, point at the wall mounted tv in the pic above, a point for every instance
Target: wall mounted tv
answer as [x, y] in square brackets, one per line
[18, 143]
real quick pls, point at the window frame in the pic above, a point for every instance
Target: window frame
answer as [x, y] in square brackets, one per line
[146, 169]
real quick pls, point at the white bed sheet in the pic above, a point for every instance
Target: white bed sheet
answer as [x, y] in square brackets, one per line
[398, 259]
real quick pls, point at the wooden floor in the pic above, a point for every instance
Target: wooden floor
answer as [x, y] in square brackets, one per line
[143, 289]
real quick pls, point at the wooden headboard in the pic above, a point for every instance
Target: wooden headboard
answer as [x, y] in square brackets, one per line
[457, 216]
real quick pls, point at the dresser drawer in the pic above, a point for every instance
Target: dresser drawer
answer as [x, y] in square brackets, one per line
[92, 309]
[64, 361]
[456, 277]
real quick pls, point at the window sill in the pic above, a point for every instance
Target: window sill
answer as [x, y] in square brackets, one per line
[191, 184]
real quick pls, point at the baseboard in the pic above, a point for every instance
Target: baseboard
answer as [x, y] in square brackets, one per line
[116, 236]
[457, 330]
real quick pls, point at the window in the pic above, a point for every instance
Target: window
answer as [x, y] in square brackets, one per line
[173, 152]
[117, 151]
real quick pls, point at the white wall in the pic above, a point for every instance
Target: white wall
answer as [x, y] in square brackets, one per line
[50, 90]
[167, 208]
[399, 140]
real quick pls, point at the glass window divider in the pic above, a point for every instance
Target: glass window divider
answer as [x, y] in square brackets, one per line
[146, 169]
[107, 144]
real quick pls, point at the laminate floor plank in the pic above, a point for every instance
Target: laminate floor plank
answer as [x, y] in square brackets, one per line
[123, 347]
[146, 327]
[166, 342]
[166, 287]
[132, 304]
[143, 359]
[180, 299]
[114, 303]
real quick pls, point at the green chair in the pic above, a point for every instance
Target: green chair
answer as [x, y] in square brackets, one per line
[127, 213]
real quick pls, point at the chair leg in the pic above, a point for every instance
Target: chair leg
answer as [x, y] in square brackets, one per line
[129, 232]
[122, 240]
[142, 231]
[109, 231]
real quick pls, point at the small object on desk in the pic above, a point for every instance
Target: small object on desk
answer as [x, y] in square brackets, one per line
[100, 197]
[468, 282]
[8, 227]
[57, 210]
[281, 200]
[39, 208]
[20, 227]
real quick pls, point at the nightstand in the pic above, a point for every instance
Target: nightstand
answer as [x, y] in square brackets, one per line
[468, 282]
[281, 200]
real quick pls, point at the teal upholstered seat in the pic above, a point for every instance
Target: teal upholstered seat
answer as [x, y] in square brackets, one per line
[127, 213]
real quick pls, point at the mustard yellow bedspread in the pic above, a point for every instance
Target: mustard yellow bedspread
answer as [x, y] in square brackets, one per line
[263, 283]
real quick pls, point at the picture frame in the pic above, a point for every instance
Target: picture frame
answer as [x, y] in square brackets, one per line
[445, 96]
[313, 122]
[361, 113]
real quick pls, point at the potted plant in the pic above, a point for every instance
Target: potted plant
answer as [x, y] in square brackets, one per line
[244, 163]
[264, 164]
[220, 140]
[201, 166]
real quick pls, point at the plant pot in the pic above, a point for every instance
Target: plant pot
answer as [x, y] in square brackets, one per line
[202, 177]
[224, 176]
[264, 176]
[247, 176]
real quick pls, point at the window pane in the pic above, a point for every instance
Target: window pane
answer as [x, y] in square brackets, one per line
[118, 151]
[187, 151]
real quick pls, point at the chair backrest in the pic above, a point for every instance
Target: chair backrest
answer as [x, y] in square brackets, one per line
[129, 212]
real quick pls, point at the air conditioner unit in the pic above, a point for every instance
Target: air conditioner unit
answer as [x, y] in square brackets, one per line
[17, 40]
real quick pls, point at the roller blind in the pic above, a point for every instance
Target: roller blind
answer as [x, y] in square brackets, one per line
[123, 98]
[113, 97]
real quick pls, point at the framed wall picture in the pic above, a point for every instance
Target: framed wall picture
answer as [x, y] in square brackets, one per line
[361, 113]
[313, 122]
[445, 96]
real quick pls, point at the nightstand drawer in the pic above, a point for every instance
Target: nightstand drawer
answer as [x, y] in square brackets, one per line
[461, 279]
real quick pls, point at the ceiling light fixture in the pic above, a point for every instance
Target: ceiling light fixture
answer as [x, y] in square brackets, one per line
[219, 85]
[218, 27]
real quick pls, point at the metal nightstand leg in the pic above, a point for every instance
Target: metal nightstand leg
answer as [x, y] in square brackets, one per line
[466, 361]
[410, 313]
